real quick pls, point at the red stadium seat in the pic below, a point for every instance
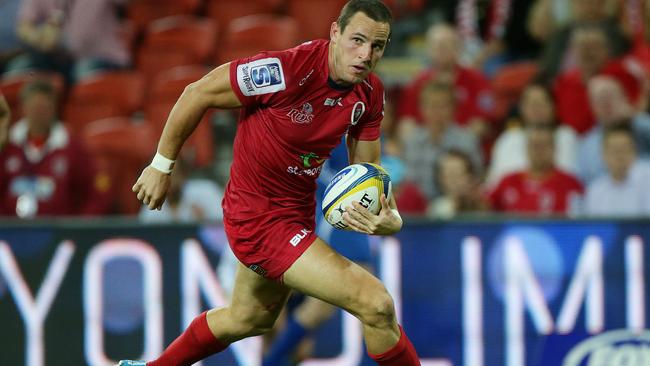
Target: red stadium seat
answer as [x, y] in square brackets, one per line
[401, 8]
[143, 12]
[166, 89]
[121, 149]
[103, 95]
[10, 85]
[197, 36]
[152, 61]
[224, 11]
[251, 34]
[509, 82]
[314, 17]
[170, 83]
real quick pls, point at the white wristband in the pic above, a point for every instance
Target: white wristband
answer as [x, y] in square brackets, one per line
[396, 213]
[163, 164]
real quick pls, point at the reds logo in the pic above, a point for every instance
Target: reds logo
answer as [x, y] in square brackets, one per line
[304, 116]
[357, 111]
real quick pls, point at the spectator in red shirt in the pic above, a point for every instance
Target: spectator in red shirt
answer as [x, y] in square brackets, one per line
[474, 98]
[543, 188]
[44, 171]
[5, 118]
[590, 47]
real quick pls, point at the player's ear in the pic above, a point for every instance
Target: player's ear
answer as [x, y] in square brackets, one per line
[334, 31]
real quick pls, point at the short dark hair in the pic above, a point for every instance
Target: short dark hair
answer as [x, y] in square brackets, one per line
[38, 87]
[459, 154]
[621, 127]
[436, 86]
[374, 9]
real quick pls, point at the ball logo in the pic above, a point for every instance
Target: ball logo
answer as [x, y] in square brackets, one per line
[357, 111]
[615, 348]
[349, 172]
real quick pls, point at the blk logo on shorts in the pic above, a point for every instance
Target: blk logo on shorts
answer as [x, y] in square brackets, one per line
[258, 269]
[298, 237]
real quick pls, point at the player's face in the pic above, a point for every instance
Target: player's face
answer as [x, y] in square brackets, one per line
[356, 50]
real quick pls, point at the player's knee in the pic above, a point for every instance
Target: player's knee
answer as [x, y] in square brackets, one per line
[377, 309]
[252, 322]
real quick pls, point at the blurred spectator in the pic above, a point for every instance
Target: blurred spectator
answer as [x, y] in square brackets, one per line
[5, 118]
[623, 190]
[635, 20]
[494, 32]
[438, 134]
[474, 98]
[542, 188]
[188, 199]
[611, 106]
[554, 21]
[45, 171]
[10, 45]
[536, 108]
[73, 37]
[459, 187]
[590, 46]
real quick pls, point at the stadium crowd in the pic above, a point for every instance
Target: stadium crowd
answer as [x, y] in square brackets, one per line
[526, 107]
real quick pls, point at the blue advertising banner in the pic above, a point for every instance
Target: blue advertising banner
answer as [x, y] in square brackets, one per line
[472, 293]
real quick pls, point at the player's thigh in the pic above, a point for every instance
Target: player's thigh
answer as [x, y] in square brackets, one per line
[256, 300]
[324, 274]
[312, 312]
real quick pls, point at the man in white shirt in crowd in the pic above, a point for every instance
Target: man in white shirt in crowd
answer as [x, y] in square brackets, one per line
[610, 105]
[622, 191]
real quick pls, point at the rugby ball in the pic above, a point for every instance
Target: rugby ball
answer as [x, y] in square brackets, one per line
[363, 183]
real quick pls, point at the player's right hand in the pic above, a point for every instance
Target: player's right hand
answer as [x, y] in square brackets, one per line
[151, 188]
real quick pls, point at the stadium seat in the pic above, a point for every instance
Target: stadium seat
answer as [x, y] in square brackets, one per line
[10, 85]
[313, 17]
[152, 61]
[122, 149]
[400, 8]
[251, 34]
[108, 94]
[509, 82]
[197, 36]
[143, 12]
[170, 83]
[165, 90]
[224, 11]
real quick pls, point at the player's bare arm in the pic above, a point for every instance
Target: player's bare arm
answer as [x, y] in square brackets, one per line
[387, 222]
[5, 117]
[212, 91]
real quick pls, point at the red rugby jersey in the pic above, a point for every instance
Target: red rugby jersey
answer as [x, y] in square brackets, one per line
[518, 192]
[293, 115]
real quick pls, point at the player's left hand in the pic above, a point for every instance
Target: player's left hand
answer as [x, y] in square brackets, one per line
[363, 221]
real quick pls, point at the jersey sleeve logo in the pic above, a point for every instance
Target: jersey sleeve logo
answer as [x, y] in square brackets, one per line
[261, 77]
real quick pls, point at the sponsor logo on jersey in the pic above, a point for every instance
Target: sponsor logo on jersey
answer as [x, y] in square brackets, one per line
[307, 159]
[304, 80]
[301, 116]
[298, 237]
[299, 171]
[357, 111]
[331, 102]
[261, 77]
